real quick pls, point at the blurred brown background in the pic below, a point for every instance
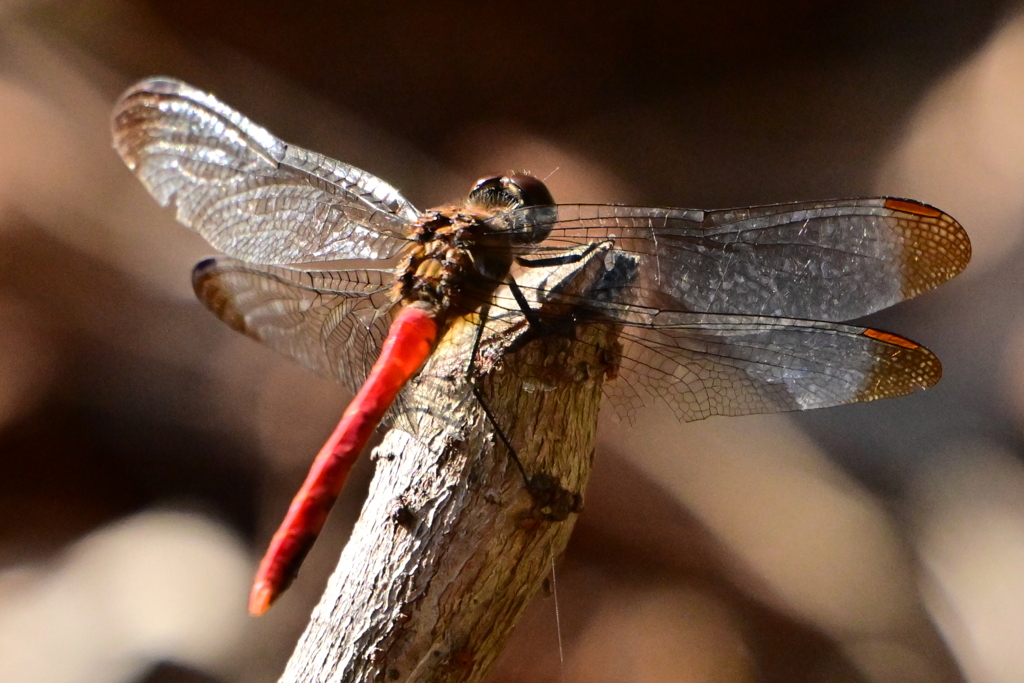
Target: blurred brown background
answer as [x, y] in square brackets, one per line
[147, 453]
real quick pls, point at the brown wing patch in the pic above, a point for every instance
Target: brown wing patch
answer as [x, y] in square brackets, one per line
[206, 283]
[901, 367]
[935, 245]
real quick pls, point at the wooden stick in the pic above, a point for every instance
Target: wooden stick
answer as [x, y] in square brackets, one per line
[451, 545]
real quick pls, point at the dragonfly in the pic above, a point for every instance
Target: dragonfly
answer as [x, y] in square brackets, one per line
[725, 312]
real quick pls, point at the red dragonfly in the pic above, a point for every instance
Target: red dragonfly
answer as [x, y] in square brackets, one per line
[727, 312]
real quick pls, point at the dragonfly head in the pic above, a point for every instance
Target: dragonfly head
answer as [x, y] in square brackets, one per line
[506, 194]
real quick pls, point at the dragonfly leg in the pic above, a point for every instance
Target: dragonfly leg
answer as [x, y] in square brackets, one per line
[524, 306]
[553, 501]
[501, 435]
[484, 311]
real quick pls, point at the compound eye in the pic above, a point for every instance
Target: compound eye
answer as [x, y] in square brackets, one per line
[507, 193]
[492, 195]
[484, 187]
[528, 190]
[501, 196]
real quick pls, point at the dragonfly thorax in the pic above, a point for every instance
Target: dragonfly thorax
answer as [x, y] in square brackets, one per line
[437, 261]
[457, 258]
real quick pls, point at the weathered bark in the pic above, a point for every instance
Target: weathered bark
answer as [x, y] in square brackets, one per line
[451, 545]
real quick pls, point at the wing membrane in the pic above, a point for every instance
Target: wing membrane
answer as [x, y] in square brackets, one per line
[704, 364]
[249, 194]
[833, 260]
[332, 322]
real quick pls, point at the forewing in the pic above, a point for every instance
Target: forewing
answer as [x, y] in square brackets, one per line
[832, 260]
[332, 322]
[705, 364]
[249, 194]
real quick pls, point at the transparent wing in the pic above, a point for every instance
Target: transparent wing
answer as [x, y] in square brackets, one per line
[832, 260]
[249, 194]
[706, 364]
[332, 322]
